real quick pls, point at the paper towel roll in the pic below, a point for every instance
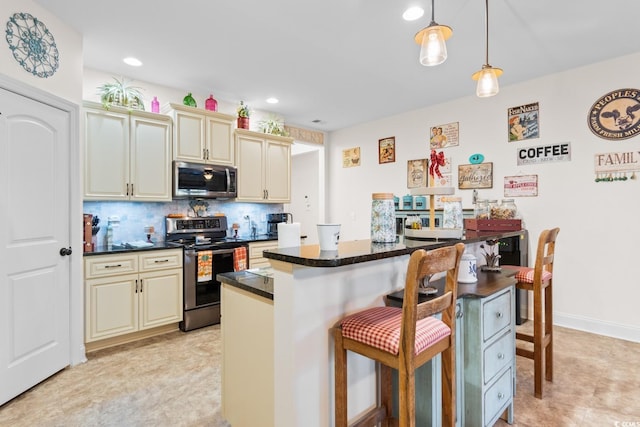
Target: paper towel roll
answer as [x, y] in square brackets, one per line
[288, 235]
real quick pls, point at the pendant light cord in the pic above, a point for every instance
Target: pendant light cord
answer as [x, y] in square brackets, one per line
[486, 26]
[433, 16]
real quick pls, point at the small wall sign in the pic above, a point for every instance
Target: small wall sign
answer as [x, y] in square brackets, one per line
[444, 136]
[616, 115]
[475, 176]
[560, 152]
[387, 150]
[521, 186]
[523, 122]
[417, 173]
[351, 157]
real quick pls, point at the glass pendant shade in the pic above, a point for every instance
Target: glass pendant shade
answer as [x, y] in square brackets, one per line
[433, 50]
[487, 81]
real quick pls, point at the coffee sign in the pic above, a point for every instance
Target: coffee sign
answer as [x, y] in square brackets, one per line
[616, 115]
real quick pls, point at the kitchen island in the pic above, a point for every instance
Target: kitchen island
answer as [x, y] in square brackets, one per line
[277, 356]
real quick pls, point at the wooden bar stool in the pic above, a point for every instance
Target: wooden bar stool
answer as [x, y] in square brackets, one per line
[403, 339]
[539, 279]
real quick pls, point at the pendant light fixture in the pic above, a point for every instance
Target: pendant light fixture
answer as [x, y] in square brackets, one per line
[433, 50]
[487, 77]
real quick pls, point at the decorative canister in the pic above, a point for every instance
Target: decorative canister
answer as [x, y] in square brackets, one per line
[506, 210]
[467, 272]
[396, 202]
[482, 209]
[452, 212]
[421, 202]
[383, 218]
[493, 205]
[211, 104]
[407, 202]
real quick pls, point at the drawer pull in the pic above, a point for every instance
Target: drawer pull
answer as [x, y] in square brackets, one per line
[500, 395]
[499, 315]
[113, 266]
[161, 260]
[500, 356]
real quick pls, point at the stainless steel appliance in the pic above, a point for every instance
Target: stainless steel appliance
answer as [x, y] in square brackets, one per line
[207, 252]
[204, 181]
[274, 219]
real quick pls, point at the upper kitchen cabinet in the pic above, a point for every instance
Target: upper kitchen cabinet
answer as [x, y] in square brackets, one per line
[127, 154]
[202, 136]
[264, 167]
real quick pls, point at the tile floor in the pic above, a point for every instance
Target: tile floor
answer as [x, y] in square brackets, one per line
[173, 380]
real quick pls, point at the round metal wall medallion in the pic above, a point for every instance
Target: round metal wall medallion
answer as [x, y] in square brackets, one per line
[32, 45]
[616, 115]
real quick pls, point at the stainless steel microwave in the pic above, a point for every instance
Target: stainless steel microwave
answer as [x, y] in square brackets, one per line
[195, 180]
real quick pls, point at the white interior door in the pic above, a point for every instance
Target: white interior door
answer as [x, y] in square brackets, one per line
[34, 226]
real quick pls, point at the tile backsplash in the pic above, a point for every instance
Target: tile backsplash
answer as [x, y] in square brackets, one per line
[135, 216]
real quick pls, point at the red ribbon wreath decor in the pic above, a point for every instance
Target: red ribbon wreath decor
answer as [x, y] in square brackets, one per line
[437, 160]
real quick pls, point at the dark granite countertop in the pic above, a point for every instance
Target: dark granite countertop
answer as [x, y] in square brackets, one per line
[358, 251]
[250, 282]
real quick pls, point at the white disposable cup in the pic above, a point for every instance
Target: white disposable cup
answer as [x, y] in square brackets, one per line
[328, 235]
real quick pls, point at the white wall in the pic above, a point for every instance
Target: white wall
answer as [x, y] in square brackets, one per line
[307, 204]
[596, 286]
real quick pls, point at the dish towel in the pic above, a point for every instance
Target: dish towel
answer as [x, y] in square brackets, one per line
[205, 266]
[240, 258]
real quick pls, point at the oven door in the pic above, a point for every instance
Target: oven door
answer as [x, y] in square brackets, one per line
[201, 265]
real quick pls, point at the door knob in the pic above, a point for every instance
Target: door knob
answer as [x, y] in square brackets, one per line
[65, 251]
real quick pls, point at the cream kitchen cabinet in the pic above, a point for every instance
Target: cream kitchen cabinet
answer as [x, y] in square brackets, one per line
[202, 136]
[127, 154]
[131, 292]
[264, 167]
[256, 260]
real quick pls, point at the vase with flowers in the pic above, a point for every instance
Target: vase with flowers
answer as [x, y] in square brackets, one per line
[490, 256]
[243, 115]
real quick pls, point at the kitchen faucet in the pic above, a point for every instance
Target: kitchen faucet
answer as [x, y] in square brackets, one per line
[252, 226]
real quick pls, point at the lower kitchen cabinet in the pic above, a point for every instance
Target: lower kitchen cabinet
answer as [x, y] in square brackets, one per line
[256, 260]
[127, 293]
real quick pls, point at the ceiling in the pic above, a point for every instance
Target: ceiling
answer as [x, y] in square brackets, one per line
[341, 62]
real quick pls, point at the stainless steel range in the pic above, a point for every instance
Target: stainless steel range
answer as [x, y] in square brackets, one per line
[207, 252]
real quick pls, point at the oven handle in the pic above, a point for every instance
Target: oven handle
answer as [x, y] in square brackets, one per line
[214, 251]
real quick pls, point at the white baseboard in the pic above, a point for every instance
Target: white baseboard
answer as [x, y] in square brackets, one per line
[610, 329]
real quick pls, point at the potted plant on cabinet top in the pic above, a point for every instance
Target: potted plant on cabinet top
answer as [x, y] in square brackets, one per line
[121, 93]
[272, 126]
[243, 116]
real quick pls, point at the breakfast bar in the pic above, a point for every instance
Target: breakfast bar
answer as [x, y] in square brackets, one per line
[277, 358]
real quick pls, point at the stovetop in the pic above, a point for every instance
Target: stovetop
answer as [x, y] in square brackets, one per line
[190, 232]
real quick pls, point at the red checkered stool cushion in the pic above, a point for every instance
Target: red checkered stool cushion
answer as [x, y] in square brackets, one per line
[380, 327]
[525, 274]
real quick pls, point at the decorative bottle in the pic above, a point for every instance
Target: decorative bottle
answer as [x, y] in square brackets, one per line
[383, 218]
[189, 101]
[211, 104]
[155, 105]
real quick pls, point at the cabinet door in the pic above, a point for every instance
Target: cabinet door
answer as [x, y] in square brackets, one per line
[160, 298]
[150, 160]
[111, 306]
[278, 171]
[249, 152]
[189, 137]
[106, 155]
[219, 142]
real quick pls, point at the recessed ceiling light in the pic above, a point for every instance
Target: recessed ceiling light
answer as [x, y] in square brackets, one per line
[413, 13]
[272, 100]
[134, 62]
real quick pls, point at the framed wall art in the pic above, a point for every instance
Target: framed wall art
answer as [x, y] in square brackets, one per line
[351, 157]
[521, 186]
[444, 136]
[523, 122]
[475, 176]
[417, 174]
[387, 150]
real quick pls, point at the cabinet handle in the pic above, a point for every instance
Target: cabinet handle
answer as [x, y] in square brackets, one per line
[127, 188]
[499, 315]
[204, 153]
[207, 154]
[136, 286]
[141, 283]
[132, 189]
[113, 266]
[161, 260]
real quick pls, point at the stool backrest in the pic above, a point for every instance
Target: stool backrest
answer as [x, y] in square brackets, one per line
[545, 253]
[421, 264]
